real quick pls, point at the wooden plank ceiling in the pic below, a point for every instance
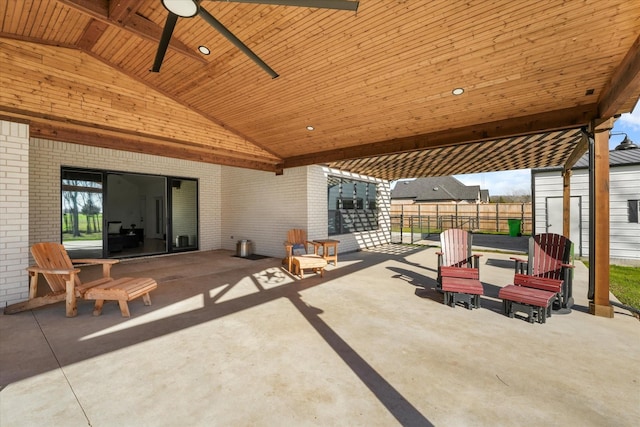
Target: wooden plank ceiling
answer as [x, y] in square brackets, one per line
[375, 84]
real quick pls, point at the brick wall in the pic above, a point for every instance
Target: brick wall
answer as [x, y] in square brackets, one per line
[262, 206]
[14, 212]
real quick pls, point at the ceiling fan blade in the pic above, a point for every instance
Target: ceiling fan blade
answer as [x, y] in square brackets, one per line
[169, 25]
[236, 41]
[317, 4]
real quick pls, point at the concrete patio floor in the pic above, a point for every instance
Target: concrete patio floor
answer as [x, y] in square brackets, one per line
[230, 341]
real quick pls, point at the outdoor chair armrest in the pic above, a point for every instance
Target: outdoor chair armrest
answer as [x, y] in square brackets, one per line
[95, 261]
[61, 271]
[476, 261]
[520, 265]
[315, 246]
[106, 264]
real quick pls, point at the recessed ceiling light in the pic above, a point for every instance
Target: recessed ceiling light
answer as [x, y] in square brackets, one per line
[457, 91]
[310, 128]
[204, 50]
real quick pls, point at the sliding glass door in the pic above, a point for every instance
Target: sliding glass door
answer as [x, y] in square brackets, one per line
[117, 214]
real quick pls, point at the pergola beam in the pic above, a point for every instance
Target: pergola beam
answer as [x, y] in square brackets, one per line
[569, 118]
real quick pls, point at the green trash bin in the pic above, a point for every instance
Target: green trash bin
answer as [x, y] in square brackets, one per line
[514, 227]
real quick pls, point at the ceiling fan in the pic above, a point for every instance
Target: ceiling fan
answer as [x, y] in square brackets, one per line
[190, 8]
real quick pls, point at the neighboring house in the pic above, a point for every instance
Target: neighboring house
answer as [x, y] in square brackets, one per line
[624, 204]
[441, 189]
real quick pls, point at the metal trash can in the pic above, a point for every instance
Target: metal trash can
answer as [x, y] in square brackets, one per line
[243, 248]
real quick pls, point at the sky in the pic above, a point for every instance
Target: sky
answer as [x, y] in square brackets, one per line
[518, 182]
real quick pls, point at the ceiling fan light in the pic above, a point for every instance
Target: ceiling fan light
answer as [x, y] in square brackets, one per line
[183, 8]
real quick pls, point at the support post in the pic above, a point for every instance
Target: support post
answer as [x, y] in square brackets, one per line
[566, 203]
[599, 207]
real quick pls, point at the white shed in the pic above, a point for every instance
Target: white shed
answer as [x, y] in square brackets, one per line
[624, 204]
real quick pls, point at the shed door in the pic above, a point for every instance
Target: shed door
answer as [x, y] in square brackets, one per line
[554, 220]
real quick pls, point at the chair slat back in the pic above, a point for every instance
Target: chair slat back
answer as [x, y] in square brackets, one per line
[456, 247]
[52, 255]
[297, 236]
[547, 253]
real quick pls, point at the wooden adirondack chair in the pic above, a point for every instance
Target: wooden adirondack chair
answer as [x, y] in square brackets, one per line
[58, 269]
[298, 255]
[455, 259]
[549, 257]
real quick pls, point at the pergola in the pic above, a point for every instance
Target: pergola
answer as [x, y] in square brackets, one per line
[392, 90]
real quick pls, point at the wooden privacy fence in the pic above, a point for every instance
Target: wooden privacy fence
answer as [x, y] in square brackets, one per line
[410, 223]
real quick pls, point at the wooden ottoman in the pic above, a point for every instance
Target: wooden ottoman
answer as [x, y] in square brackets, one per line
[121, 290]
[459, 289]
[308, 262]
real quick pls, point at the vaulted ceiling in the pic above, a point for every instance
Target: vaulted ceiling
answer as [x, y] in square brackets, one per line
[376, 84]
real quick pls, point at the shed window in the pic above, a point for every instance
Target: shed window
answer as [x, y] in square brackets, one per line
[634, 208]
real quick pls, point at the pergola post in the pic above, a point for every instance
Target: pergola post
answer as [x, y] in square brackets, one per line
[599, 208]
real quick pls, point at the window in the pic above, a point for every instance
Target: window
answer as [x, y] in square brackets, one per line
[634, 210]
[352, 205]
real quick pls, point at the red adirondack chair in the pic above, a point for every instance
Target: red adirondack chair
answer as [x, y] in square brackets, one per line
[549, 257]
[455, 259]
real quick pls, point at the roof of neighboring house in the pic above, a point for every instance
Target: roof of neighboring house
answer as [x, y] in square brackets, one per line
[616, 158]
[434, 189]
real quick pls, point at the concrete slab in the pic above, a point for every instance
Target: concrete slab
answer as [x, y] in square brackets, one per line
[230, 341]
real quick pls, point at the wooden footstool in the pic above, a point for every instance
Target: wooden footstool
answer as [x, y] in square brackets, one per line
[307, 262]
[121, 290]
[458, 289]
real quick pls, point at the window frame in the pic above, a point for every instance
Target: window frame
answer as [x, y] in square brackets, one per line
[352, 205]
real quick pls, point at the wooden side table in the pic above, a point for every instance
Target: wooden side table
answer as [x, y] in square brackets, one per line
[326, 245]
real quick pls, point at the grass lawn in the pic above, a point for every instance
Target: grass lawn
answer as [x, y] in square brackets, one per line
[624, 283]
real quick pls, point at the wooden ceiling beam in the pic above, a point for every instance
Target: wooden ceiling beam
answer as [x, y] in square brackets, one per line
[122, 10]
[92, 33]
[56, 128]
[544, 122]
[624, 82]
[146, 146]
[134, 23]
